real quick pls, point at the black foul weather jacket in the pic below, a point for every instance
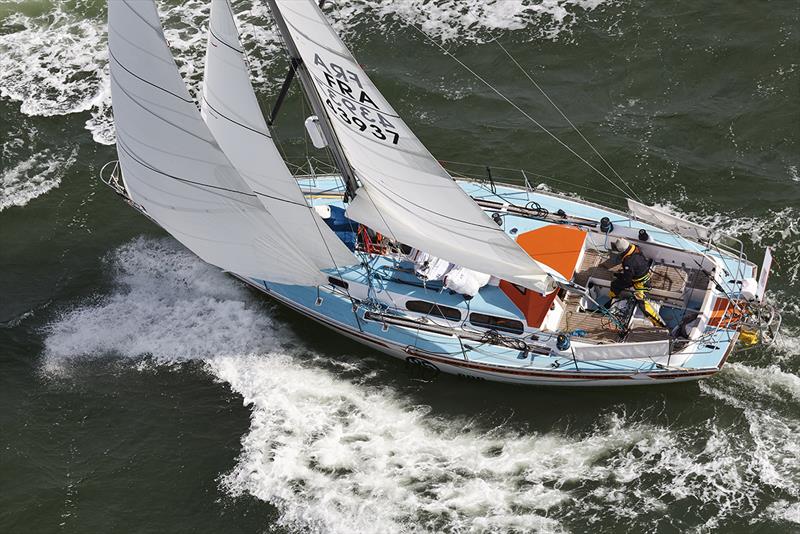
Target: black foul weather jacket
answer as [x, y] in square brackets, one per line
[635, 270]
[634, 267]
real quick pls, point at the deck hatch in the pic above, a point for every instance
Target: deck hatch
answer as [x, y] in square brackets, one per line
[503, 324]
[431, 308]
[338, 282]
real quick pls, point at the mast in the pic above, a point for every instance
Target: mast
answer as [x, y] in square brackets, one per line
[403, 191]
[299, 66]
[231, 112]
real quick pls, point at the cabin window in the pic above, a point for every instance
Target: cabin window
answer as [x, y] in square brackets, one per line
[338, 282]
[496, 323]
[431, 308]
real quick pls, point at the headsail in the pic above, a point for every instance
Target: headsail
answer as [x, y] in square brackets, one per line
[232, 113]
[405, 192]
[172, 165]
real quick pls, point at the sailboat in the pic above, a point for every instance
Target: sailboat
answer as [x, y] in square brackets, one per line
[471, 277]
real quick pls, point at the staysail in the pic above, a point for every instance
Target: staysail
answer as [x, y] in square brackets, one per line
[405, 193]
[232, 113]
[171, 163]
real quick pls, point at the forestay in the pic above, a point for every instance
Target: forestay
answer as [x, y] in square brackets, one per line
[232, 113]
[405, 192]
[172, 166]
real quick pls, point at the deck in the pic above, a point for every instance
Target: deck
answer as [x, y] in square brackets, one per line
[669, 283]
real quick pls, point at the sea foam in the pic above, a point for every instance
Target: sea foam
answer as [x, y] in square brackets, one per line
[335, 454]
[33, 177]
[55, 62]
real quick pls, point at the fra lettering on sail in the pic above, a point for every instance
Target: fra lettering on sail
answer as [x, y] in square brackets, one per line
[351, 104]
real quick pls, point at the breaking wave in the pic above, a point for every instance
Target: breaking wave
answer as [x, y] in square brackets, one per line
[340, 454]
[31, 166]
[188, 310]
[52, 62]
[53, 57]
[33, 177]
[471, 20]
[769, 399]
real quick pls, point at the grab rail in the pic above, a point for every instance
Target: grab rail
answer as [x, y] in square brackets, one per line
[113, 176]
[113, 179]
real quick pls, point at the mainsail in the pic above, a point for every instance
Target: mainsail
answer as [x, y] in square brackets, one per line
[405, 193]
[232, 113]
[171, 163]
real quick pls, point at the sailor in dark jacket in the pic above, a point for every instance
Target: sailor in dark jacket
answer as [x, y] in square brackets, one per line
[635, 269]
[635, 275]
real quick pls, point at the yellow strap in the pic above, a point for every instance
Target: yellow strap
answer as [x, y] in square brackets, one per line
[640, 286]
[630, 251]
[652, 315]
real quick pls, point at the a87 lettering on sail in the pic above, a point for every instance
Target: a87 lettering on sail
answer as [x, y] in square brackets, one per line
[352, 106]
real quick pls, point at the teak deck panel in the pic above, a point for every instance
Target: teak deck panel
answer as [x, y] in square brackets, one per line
[668, 281]
[597, 326]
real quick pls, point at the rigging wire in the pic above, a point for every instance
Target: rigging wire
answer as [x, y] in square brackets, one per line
[530, 78]
[306, 101]
[353, 301]
[525, 171]
[309, 208]
[335, 140]
[541, 90]
[522, 111]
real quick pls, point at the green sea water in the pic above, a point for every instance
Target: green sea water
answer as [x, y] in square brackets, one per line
[143, 391]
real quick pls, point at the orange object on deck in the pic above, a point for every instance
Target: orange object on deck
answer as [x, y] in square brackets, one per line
[556, 246]
[371, 246]
[725, 314]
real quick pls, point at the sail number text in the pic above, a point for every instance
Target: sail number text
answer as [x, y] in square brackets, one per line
[350, 103]
[362, 119]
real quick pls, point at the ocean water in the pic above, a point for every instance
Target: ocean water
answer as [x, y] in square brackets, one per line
[144, 391]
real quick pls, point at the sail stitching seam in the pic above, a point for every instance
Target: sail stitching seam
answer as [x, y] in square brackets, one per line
[129, 71]
[136, 158]
[255, 193]
[232, 120]
[217, 37]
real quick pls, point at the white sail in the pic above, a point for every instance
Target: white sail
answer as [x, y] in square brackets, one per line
[173, 167]
[232, 113]
[405, 192]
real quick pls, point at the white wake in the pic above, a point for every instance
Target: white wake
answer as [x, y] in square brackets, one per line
[337, 455]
